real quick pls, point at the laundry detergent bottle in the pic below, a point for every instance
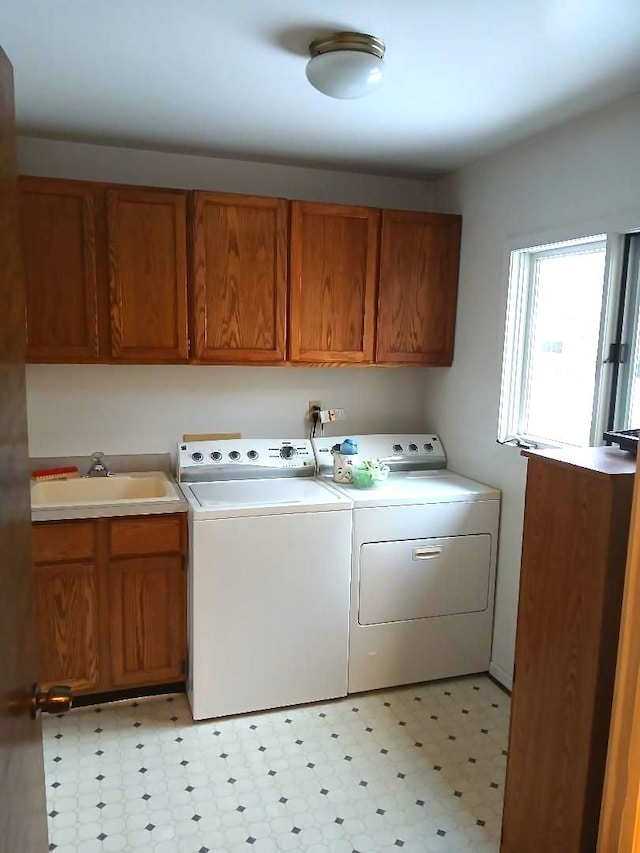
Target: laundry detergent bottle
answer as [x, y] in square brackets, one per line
[344, 461]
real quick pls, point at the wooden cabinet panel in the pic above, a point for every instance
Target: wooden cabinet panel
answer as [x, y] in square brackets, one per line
[239, 278]
[417, 288]
[334, 254]
[150, 534]
[58, 229]
[63, 541]
[147, 275]
[576, 522]
[66, 612]
[147, 620]
[111, 601]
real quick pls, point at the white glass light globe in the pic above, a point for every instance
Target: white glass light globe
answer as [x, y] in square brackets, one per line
[345, 73]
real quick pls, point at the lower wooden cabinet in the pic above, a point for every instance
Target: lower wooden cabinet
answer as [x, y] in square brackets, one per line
[146, 615]
[67, 614]
[111, 601]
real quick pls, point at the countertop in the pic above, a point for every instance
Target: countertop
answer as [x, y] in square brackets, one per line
[602, 461]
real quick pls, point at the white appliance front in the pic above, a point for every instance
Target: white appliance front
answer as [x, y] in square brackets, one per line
[421, 578]
[410, 623]
[270, 610]
[423, 565]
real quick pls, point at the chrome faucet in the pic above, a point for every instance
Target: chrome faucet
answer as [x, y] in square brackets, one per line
[97, 468]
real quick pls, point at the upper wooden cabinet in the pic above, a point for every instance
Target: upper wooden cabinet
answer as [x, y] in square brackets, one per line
[107, 269]
[239, 278]
[106, 272]
[147, 250]
[334, 255]
[58, 222]
[418, 288]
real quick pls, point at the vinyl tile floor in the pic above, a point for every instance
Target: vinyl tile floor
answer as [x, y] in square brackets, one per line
[417, 768]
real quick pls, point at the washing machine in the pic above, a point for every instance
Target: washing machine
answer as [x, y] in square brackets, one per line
[269, 577]
[423, 564]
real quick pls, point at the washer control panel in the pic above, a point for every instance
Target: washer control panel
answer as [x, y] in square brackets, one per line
[401, 452]
[245, 458]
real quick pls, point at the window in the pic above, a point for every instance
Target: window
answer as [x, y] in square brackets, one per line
[625, 396]
[554, 337]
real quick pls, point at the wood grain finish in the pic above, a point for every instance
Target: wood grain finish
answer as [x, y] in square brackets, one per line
[573, 560]
[59, 252]
[63, 541]
[23, 821]
[418, 288]
[147, 275]
[93, 576]
[66, 611]
[133, 536]
[334, 256]
[147, 620]
[239, 278]
[620, 820]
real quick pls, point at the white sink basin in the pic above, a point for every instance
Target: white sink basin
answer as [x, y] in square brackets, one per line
[145, 487]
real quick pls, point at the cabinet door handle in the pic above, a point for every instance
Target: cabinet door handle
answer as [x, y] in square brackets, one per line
[426, 553]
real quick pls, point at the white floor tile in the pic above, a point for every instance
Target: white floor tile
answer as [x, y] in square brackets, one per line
[417, 768]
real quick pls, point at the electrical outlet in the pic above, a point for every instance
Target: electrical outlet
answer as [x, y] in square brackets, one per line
[313, 404]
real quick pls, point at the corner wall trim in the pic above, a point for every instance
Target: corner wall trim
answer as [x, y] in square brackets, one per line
[500, 675]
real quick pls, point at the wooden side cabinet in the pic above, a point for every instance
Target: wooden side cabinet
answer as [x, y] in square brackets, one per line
[418, 288]
[111, 601]
[58, 229]
[334, 259]
[239, 281]
[578, 505]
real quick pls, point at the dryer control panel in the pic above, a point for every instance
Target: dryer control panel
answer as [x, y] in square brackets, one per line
[406, 452]
[244, 459]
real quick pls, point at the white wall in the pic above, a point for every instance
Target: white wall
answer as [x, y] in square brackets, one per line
[74, 409]
[580, 179]
[56, 159]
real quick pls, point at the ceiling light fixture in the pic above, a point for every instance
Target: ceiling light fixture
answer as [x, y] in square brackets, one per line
[346, 65]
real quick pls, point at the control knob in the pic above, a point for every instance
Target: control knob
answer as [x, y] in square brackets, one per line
[252, 454]
[428, 447]
[216, 456]
[197, 456]
[287, 452]
[234, 455]
[413, 448]
[397, 448]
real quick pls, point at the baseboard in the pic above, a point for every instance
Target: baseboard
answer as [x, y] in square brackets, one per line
[505, 679]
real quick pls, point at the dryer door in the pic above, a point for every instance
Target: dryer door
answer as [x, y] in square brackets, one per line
[423, 578]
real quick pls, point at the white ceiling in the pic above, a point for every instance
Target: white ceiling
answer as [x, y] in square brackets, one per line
[227, 78]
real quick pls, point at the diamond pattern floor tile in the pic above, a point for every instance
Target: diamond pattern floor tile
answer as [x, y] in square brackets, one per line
[418, 769]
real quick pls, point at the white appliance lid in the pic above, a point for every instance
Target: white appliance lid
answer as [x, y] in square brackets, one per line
[419, 487]
[227, 498]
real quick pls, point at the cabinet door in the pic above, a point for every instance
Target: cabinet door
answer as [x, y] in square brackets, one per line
[147, 275]
[147, 620]
[66, 612]
[240, 278]
[418, 288]
[58, 229]
[334, 252]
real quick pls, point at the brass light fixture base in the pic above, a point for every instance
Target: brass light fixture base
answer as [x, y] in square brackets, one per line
[360, 42]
